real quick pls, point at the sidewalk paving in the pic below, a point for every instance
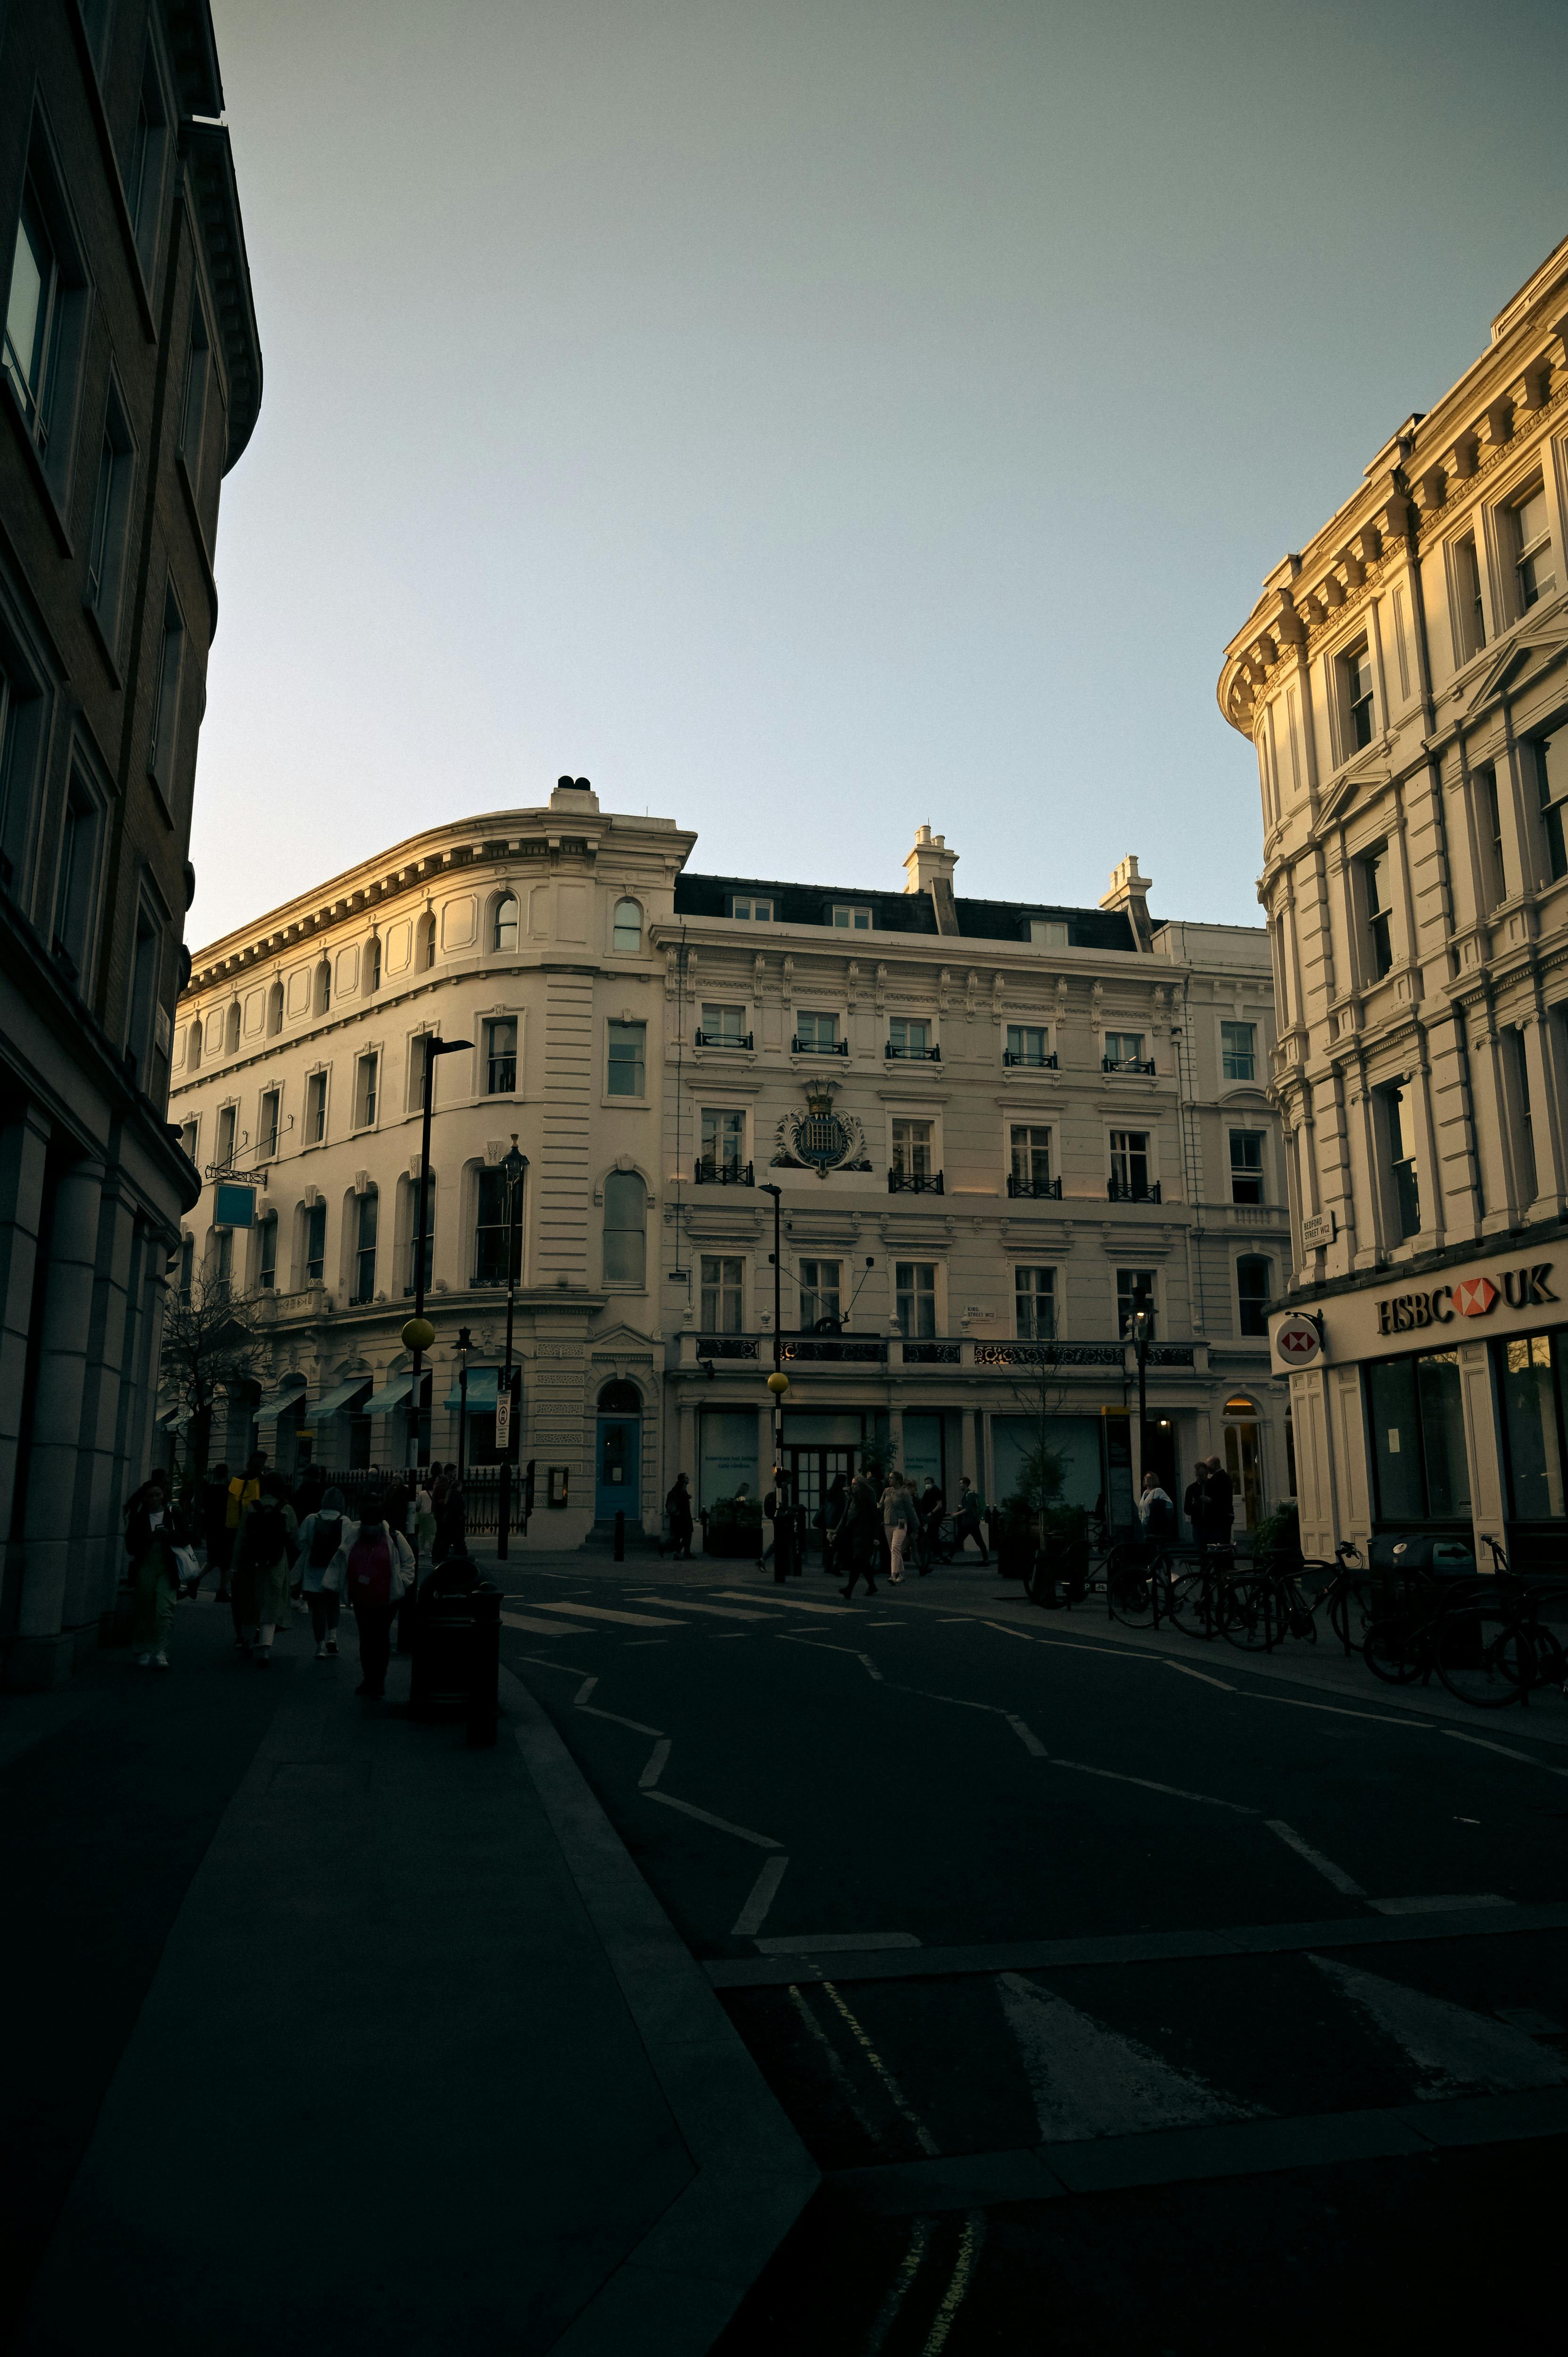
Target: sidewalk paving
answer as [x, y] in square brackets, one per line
[343, 2036]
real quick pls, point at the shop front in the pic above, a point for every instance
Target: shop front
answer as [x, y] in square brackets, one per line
[1434, 1403]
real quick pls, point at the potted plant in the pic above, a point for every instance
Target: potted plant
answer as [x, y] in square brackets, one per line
[733, 1526]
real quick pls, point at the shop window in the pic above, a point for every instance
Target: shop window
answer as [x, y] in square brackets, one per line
[1416, 1411]
[1528, 1386]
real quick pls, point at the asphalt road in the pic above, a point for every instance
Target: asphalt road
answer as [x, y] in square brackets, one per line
[1126, 2004]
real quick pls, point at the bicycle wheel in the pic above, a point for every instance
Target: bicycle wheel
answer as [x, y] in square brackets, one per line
[1398, 1645]
[1485, 1655]
[1246, 1615]
[1349, 1611]
[1188, 1603]
[1129, 1589]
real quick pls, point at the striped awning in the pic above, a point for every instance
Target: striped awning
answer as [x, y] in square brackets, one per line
[390, 1395]
[289, 1393]
[175, 1419]
[338, 1397]
[484, 1382]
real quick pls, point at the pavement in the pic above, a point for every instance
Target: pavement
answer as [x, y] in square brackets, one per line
[339, 2035]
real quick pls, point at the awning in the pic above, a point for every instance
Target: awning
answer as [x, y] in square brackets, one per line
[392, 1396]
[484, 1382]
[289, 1393]
[175, 1419]
[339, 1397]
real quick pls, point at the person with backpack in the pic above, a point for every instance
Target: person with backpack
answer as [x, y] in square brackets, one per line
[321, 1539]
[377, 1564]
[264, 1551]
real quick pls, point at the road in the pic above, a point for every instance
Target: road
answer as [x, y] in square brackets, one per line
[1125, 2001]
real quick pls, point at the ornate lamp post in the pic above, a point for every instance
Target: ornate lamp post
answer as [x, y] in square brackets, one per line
[419, 1334]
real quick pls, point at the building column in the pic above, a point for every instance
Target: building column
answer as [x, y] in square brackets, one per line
[1494, 1130]
[96, 1568]
[968, 1447]
[1546, 1116]
[42, 1655]
[895, 1431]
[24, 1143]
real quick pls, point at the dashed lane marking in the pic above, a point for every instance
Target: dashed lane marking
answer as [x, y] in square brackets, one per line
[1027, 1738]
[1544, 1765]
[714, 1611]
[1202, 1676]
[532, 1628]
[1115, 1776]
[592, 1710]
[542, 1661]
[792, 1604]
[763, 1893]
[1024, 1636]
[822, 1646]
[584, 1691]
[1314, 1858]
[604, 1612]
[720, 1825]
[657, 1760]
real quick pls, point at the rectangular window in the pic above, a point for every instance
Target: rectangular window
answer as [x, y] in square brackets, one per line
[1401, 1163]
[500, 1056]
[366, 1218]
[816, 1035]
[189, 1136]
[722, 1027]
[723, 1286]
[163, 744]
[1047, 932]
[110, 522]
[1534, 568]
[1246, 1166]
[32, 317]
[267, 1127]
[187, 1267]
[1520, 1058]
[912, 1149]
[1123, 1050]
[365, 1074]
[853, 920]
[1027, 1043]
[267, 1254]
[1527, 1383]
[760, 912]
[1356, 675]
[819, 1292]
[1254, 1283]
[76, 887]
[1135, 1294]
[1239, 1051]
[910, 1040]
[1376, 883]
[1416, 1410]
[491, 1228]
[1035, 1304]
[145, 167]
[414, 1231]
[627, 1070]
[724, 1139]
[1471, 632]
[198, 377]
[222, 1261]
[1031, 1170]
[315, 1109]
[21, 710]
[146, 976]
[915, 1294]
[223, 1153]
[1495, 885]
[1551, 757]
[1130, 1166]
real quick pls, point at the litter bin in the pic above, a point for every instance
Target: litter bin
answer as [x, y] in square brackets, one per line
[457, 1649]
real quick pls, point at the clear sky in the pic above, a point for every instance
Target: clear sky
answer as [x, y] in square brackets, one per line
[810, 418]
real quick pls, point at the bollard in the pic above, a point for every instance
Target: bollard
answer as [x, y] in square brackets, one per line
[620, 1537]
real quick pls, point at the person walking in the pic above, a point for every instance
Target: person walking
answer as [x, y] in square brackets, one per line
[264, 1551]
[899, 1523]
[829, 1514]
[678, 1506]
[967, 1524]
[933, 1506]
[244, 1489]
[217, 1537]
[451, 1519]
[376, 1566]
[1219, 1502]
[860, 1531]
[153, 1532]
[1194, 1503]
[321, 1539]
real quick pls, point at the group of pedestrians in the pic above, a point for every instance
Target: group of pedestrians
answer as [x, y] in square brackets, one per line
[1208, 1503]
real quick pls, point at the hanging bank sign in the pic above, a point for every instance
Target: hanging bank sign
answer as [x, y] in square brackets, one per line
[1467, 1304]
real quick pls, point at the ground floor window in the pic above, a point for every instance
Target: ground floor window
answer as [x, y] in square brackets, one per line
[1529, 1373]
[1416, 1412]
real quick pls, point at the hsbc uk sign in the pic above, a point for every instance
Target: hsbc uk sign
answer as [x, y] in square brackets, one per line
[1473, 1297]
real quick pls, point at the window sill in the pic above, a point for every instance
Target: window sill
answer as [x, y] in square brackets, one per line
[623, 1105]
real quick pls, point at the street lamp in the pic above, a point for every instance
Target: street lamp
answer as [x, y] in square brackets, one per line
[465, 1344]
[779, 1384]
[1143, 1326]
[513, 1166]
[419, 1334]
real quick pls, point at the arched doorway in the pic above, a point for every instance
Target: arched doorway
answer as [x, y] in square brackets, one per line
[1243, 1460]
[617, 1453]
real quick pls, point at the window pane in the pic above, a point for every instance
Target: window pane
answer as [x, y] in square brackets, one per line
[1447, 1465]
[1237, 1051]
[915, 1290]
[625, 1075]
[1031, 1157]
[505, 935]
[723, 1136]
[721, 1289]
[1396, 1445]
[724, 1025]
[1134, 1292]
[1530, 1413]
[819, 1290]
[1034, 1297]
[912, 1149]
[628, 933]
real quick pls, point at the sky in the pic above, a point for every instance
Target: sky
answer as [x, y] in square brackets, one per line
[812, 420]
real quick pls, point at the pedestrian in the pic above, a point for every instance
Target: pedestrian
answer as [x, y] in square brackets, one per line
[244, 1489]
[217, 1538]
[1219, 1503]
[264, 1556]
[900, 1522]
[967, 1524]
[678, 1506]
[422, 1519]
[153, 1533]
[829, 1514]
[933, 1507]
[376, 1566]
[441, 1480]
[1155, 1511]
[859, 1533]
[451, 1519]
[321, 1539]
[1194, 1503]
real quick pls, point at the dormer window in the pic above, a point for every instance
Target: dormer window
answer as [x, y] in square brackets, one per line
[852, 919]
[746, 904]
[1047, 932]
[1534, 568]
[1355, 672]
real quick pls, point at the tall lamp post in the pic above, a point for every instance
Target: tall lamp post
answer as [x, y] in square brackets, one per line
[1143, 1335]
[513, 1166]
[465, 1344]
[779, 1384]
[419, 1334]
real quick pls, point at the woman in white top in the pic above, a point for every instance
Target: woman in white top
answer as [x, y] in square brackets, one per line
[899, 1517]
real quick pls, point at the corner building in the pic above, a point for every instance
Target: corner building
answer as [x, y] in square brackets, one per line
[998, 1127]
[1404, 681]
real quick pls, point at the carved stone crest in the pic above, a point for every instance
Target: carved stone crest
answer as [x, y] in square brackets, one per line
[820, 1139]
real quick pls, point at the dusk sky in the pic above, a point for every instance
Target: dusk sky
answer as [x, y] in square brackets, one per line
[811, 420]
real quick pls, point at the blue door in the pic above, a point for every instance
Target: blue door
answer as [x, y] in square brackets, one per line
[617, 1465]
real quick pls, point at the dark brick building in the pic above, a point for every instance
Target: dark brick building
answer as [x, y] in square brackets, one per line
[130, 380]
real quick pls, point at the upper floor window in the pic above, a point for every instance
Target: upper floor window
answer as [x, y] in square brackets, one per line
[816, 1035]
[223, 1261]
[724, 1139]
[819, 1294]
[365, 1071]
[1027, 1043]
[274, 1010]
[1047, 932]
[1239, 1051]
[189, 1132]
[1380, 916]
[314, 1244]
[492, 1227]
[912, 1042]
[223, 1153]
[197, 381]
[373, 963]
[626, 1231]
[1246, 1166]
[1402, 1161]
[627, 934]
[321, 989]
[76, 887]
[1254, 1280]
[1035, 1304]
[1130, 1166]
[914, 1297]
[724, 1026]
[852, 919]
[1534, 568]
[231, 1030]
[144, 165]
[1551, 757]
[415, 1283]
[367, 1216]
[912, 1149]
[145, 1013]
[21, 711]
[1031, 1170]
[1123, 1051]
[723, 1291]
[111, 522]
[186, 1266]
[267, 1254]
[315, 1109]
[500, 1056]
[424, 943]
[626, 1075]
[746, 904]
[1355, 677]
[1134, 1298]
[32, 315]
[1494, 884]
[1469, 612]
[504, 924]
[267, 1127]
[164, 741]
[193, 1045]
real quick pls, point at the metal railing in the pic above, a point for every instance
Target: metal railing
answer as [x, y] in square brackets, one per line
[932, 1055]
[710, 1173]
[865, 1353]
[1132, 1190]
[727, 1345]
[915, 1182]
[931, 1354]
[1035, 1190]
[722, 1039]
[819, 1047]
[1034, 1063]
[1125, 1064]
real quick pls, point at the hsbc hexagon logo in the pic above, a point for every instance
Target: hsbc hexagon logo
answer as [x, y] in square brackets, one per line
[1475, 1296]
[1297, 1342]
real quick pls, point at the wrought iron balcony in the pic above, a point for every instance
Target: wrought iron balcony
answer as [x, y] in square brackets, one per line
[1035, 1190]
[819, 1047]
[931, 1354]
[1036, 1064]
[915, 1182]
[807, 1346]
[1118, 1065]
[727, 1345]
[723, 1040]
[895, 1054]
[1133, 1191]
[710, 1173]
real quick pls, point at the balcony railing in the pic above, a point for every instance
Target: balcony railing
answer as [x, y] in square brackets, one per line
[915, 1182]
[1049, 1354]
[931, 1354]
[895, 1054]
[1036, 1064]
[1035, 1189]
[710, 1173]
[724, 1039]
[1119, 1064]
[727, 1345]
[1133, 1191]
[819, 1047]
[811, 1347]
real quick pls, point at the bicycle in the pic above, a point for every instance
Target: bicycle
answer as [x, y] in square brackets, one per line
[1492, 1647]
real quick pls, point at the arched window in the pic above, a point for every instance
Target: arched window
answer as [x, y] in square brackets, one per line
[373, 963]
[193, 1047]
[503, 931]
[620, 1399]
[1254, 1279]
[321, 997]
[425, 944]
[274, 1010]
[628, 933]
[626, 1237]
[231, 1031]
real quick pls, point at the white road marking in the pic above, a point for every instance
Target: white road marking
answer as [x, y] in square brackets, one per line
[603, 1613]
[1337, 1710]
[869, 1666]
[633, 1642]
[730, 1637]
[792, 1604]
[1440, 1905]
[1315, 1857]
[714, 1611]
[592, 1710]
[1027, 1738]
[822, 1646]
[1201, 1675]
[584, 1691]
[1114, 1776]
[533, 1628]
[657, 1760]
[1024, 1636]
[1456, 2051]
[720, 1825]
[1545, 1766]
[836, 1944]
[543, 1661]
[1089, 2081]
[764, 1891]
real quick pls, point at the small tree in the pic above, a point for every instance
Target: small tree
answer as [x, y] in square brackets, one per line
[1040, 1398]
[210, 1340]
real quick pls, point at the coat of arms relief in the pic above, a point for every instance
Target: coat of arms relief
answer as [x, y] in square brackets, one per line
[819, 1138]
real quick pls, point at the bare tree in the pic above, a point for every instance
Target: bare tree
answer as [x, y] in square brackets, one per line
[1041, 1397]
[211, 1340]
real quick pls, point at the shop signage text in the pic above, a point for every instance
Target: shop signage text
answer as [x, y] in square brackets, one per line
[1521, 1288]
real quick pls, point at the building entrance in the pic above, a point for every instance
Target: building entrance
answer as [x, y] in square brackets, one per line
[811, 1473]
[617, 1458]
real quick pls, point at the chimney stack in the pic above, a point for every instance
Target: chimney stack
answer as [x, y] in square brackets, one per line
[928, 863]
[1130, 893]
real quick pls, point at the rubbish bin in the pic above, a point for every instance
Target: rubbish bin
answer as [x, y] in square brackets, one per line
[457, 1649]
